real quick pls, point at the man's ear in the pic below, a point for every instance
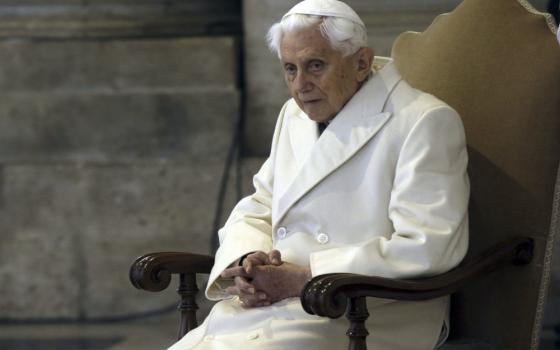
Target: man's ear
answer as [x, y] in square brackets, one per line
[364, 61]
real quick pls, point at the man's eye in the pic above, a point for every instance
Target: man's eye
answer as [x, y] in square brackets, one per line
[316, 66]
[290, 69]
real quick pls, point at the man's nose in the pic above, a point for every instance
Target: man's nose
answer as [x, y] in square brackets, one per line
[302, 82]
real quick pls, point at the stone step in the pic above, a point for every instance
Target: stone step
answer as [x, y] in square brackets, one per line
[116, 127]
[118, 65]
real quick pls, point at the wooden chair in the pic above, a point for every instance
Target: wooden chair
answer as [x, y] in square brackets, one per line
[497, 63]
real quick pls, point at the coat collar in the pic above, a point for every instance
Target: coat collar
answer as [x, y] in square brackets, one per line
[360, 119]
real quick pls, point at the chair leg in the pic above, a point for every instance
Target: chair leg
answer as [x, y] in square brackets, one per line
[187, 307]
[357, 314]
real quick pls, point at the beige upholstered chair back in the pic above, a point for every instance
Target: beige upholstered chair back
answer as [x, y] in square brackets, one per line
[497, 62]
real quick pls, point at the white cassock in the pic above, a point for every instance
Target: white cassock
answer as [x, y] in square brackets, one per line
[382, 191]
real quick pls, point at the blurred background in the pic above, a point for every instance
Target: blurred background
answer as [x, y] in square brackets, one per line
[132, 126]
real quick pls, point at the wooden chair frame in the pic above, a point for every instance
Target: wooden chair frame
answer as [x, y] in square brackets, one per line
[330, 295]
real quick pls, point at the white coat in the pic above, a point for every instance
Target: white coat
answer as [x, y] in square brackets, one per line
[382, 191]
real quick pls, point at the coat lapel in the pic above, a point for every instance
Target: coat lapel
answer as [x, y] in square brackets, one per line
[303, 135]
[353, 127]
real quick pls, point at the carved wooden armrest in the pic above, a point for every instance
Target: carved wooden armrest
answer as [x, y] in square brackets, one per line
[152, 272]
[330, 294]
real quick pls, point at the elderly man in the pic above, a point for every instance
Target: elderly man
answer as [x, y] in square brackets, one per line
[366, 175]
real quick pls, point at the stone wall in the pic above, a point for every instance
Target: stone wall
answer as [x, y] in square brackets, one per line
[115, 119]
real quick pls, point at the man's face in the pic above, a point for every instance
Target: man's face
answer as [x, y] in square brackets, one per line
[320, 80]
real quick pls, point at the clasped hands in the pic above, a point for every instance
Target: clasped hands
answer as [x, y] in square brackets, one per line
[264, 278]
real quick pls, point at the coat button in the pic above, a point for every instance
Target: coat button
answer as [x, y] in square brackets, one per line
[208, 338]
[282, 232]
[322, 238]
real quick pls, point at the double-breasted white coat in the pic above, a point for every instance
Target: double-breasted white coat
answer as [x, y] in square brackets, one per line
[382, 191]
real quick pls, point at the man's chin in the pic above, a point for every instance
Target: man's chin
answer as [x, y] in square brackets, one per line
[315, 118]
[318, 118]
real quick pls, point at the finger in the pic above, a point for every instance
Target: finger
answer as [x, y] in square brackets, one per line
[275, 257]
[243, 285]
[257, 258]
[266, 280]
[259, 254]
[252, 300]
[233, 290]
[262, 303]
[262, 296]
[233, 272]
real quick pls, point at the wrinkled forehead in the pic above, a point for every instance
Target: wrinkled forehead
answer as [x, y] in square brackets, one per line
[308, 42]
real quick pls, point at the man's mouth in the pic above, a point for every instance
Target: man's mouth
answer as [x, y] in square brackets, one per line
[310, 102]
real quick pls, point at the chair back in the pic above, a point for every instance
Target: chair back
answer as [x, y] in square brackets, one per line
[497, 62]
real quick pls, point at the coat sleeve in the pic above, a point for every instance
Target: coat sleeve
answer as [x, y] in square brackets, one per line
[249, 226]
[428, 208]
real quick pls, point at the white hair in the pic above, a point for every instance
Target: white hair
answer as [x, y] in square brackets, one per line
[343, 35]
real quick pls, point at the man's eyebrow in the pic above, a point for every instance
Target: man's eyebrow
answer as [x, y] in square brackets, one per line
[307, 60]
[307, 57]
